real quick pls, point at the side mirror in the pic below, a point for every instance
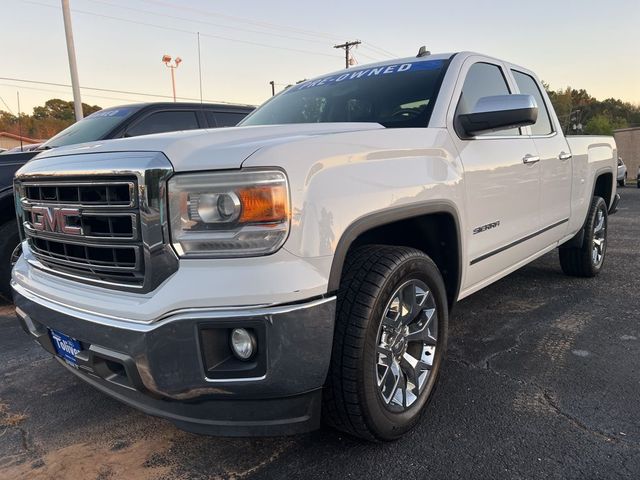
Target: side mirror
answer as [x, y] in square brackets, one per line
[499, 112]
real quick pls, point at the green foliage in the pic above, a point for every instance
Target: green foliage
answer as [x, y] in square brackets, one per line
[598, 125]
[577, 108]
[46, 121]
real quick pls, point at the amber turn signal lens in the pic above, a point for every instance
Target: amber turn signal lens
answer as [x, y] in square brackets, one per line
[264, 204]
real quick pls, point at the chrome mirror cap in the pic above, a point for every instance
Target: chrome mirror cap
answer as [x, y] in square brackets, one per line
[499, 112]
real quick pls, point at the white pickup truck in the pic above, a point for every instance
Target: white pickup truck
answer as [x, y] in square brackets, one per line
[249, 280]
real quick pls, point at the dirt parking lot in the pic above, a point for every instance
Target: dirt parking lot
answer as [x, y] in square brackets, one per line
[542, 380]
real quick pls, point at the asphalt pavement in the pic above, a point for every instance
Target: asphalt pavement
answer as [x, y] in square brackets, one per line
[542, 380]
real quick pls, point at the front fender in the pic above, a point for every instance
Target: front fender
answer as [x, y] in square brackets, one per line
[337, 180]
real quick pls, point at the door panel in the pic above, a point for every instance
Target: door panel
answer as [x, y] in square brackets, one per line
[555, 178]
[502, 191]
[502, 199]
[555, 172]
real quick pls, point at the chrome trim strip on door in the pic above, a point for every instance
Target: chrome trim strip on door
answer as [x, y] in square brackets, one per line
[517, 242]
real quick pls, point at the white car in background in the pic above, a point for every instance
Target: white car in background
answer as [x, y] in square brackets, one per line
[622, 173]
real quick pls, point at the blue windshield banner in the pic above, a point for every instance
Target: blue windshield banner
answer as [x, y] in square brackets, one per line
[379, 71]
[111, 112]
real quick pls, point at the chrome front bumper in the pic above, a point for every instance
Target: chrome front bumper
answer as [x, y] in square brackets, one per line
[162, 367]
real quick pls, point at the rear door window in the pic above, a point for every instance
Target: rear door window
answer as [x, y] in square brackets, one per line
[164, 121]
[527, 85]
[483, 80]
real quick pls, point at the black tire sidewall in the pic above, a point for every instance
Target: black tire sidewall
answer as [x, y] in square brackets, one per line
[389, 425]
[598, 204]
[9, 240]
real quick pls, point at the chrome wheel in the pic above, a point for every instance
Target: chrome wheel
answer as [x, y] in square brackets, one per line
[15, 255]
[406, 345]
[599, 238]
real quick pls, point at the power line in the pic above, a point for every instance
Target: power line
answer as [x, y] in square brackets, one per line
[234, 18]
[218, 25]
[109, 90]
[262, 24]
[8, 107]
[361, 54]
[23, 87]
[164, 27]
[371, 46]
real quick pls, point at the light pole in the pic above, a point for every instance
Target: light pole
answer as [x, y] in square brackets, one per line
[166, 59]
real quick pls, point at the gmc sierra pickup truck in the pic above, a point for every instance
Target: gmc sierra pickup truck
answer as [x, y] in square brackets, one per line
[249, 280]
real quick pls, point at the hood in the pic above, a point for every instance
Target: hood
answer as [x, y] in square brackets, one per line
[221, 148]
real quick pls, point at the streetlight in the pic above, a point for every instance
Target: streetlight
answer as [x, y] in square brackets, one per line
[166, 59]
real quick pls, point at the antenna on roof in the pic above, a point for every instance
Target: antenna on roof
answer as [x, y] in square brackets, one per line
[423, 52]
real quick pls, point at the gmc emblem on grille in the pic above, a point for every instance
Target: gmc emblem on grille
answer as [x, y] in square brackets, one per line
[55, 219]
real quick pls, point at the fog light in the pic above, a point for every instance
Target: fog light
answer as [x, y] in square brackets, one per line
[243, 343]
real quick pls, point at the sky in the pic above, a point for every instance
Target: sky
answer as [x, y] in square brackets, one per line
[245, 44]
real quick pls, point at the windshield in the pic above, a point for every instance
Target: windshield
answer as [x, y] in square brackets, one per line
[396, 95]
[94, 127]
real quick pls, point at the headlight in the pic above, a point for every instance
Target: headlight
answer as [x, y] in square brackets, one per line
[236, 214]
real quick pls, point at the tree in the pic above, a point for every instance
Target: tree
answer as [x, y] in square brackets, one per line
[597, 117]
[47, 120]
[601, 124]
[61, 110]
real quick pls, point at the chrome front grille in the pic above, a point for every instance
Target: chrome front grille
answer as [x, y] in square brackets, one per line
[116, 193]
[86, 228]
[98, 218]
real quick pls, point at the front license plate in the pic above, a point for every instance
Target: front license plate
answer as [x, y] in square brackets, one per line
[66, 347]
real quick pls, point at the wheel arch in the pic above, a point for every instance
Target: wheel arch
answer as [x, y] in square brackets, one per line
[603, 185]
[7, 206]
[443, 244]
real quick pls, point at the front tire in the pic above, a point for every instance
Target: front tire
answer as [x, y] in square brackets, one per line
[9, 239]
[587, 260]
[389, 342]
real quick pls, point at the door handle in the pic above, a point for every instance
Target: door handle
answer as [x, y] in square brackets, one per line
[530, 159]
[564, 156]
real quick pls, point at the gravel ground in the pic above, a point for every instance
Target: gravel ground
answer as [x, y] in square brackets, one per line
[542, 380]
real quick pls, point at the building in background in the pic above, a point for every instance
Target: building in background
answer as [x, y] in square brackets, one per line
[10, 140]
[628, 142]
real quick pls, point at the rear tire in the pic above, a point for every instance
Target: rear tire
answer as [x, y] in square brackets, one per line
[391, 311]
[9, 239]
[587, 260]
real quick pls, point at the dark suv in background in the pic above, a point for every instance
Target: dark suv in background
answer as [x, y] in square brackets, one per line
[115, 122]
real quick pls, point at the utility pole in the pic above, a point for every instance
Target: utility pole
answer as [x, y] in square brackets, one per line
[273, 88]
[166, 59]
[19, 122]
[199, 69]
[73, 66]
[347, 46]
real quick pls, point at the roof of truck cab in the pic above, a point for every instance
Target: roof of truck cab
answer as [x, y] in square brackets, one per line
[394, 61]
[431, 56]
